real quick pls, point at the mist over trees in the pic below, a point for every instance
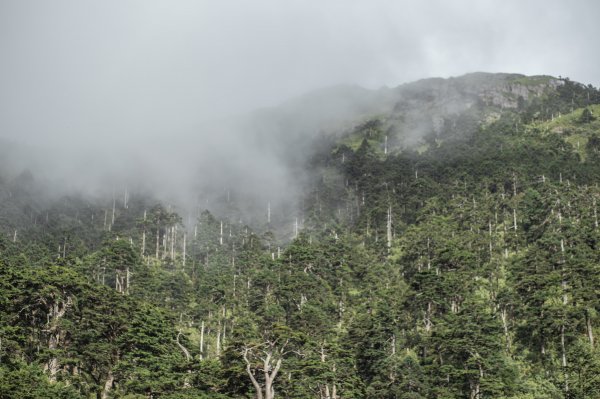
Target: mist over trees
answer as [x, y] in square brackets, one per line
[292, 199]
[444, 245]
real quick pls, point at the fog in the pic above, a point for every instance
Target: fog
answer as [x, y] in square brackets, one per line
[183, 96]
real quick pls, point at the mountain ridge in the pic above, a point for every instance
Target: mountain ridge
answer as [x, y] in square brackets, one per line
[461, 264]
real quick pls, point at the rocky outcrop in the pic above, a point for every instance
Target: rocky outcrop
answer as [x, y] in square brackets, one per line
[450, 107]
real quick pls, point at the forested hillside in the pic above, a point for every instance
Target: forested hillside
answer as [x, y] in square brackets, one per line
[446, 245]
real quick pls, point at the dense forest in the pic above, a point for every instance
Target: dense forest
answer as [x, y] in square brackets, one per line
[462, 262]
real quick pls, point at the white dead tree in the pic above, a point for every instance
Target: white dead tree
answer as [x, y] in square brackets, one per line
[202, 341]
[185, 351]
[595, 216]
[324, 390]
[173, 239]
[126, 199]
[56, 311]
[144, 236]
[112, 220]
[389, 229]
[265, 358]
[184, 248]
[157, 241]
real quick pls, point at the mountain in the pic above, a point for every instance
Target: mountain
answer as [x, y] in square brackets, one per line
[440, 241]
[411, 113]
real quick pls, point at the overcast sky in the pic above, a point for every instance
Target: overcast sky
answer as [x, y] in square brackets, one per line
[115, 68]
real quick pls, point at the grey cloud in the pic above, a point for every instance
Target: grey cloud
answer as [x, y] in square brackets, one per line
[145, 86]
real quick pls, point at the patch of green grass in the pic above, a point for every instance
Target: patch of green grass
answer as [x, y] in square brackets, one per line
[571, 120]
[571, 128]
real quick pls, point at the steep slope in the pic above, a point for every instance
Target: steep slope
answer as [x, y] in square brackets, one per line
[453, 259]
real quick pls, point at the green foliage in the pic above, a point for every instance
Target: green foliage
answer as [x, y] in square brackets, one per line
[586, 116]
[23, 381]
[467, 270]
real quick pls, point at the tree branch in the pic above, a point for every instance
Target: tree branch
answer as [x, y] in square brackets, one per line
[257, 386]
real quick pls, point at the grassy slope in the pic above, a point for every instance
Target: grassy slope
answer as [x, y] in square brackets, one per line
[569, 126]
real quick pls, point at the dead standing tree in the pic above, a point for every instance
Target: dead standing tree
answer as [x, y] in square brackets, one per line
[265, 359]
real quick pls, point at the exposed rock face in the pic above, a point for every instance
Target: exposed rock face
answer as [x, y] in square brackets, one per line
[457, 94]
[447, 107]
[412, 110]
[508, 94]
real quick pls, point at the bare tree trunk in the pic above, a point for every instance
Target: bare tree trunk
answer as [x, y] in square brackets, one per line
[53, 365]
[504, 317]
[562, 327]
[270, 376]
[144, 236]
[389, 229]
[157, 241]
[595, 216]
[269, 370]
[164, 243]
[202, 341]
[490, 232]
[564, 357]
[108, 384]
[184, 247]
[257, 387]
[173, 231]
[144, 242]
[428, 323]
[112, 220]
[186, 353]
[589, 328]
[219, 340]
[56, 312]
